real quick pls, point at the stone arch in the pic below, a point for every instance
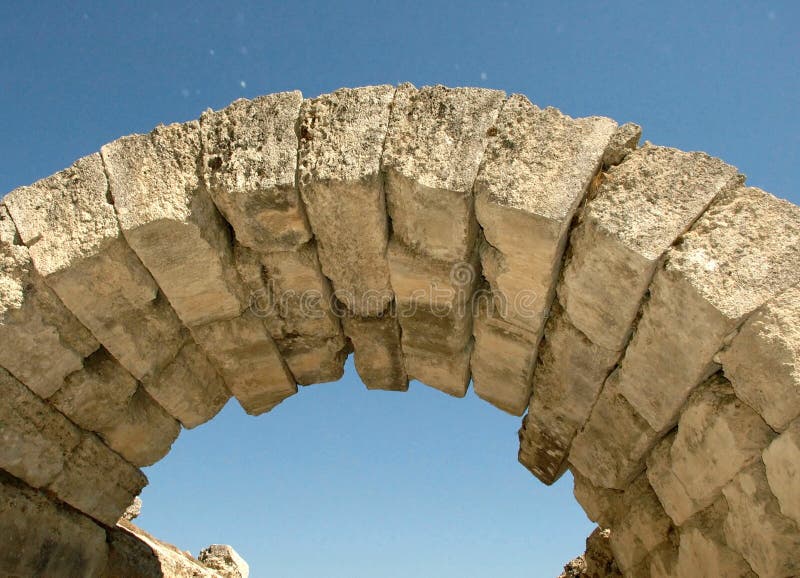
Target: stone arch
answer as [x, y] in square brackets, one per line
[638, 304]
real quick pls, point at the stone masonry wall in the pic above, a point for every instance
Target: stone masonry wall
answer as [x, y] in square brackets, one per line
[638, 304]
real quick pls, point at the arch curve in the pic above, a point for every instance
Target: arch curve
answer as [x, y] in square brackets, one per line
[638, 304]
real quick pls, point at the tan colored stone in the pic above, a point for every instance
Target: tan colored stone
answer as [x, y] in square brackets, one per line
[225, 560]
[378, 355]
[40, 537]
[782, 463]
[663, 561]
[248, 361]
[624, 140]
[341, 139]
[569, 374]
[170, 221]
[739, 254]
[640, 208]
[249, 166]
[763, 361]
[190, 388]
[640, 527]
[447, 373]
[70, 227]
[669, 488]
[755, 527]
[601, 505]
[703, 551]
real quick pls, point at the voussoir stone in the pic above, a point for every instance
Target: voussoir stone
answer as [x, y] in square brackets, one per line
[782, 463]
[763, 360]
[601, 505]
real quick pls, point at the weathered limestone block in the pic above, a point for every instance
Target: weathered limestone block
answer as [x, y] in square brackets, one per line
[535, 171]
[703, 551]
[718, 435]
[640, 527]
[248, 361]
[640, 207]
[611, 447]
[225, 560]
[144, 433]
[600, 504]
[739, 254]
[436, 141]
[763, 361]
[447, 373]
[70, 227]
[756, 528]
[782, 462]
[677, 502]
[42, 341]
[249, 166]
[663, 561]
[624, 140]
[40, 537]
[289, 292]
[170, 221]
[567, 380]
[378, 356]
[189, 388]
[341, 139]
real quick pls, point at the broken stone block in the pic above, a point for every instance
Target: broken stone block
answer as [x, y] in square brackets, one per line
[756, 528]
[170, 221]
[601, 505]
[569, 374]
[611, 448]
[703, 551]
[132, 512]
[378, 355]
[763, 360]
[144, 433]
[97, 481]
[434, 147]
[624, 140]
[41, 537]
[225, 560]
[640, 527]
[70, 227]
[248, 361]
[42, 340]
[639, 209]
[739, 254]
[447, 373]
[249, 167]
[189, 388]
[782, 463]
[341, 140]
[535, 171]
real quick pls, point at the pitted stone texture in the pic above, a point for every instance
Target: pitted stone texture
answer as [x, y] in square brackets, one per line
[740, 253]
[249, 166]
[40, 537]
[763, 361]
[76, 244]
[144, 433]
[569, 374]
[782, 462]
[341, 140]
[638, 210]
[535, 171]
[718, 436]
[641, 526]
[624, 140]
[248, 361]
[170, 221]
[436, 140]
[703, 551]
[378, 355]
[756, 528]
[225, 560]
[290, 293]
[611, 448]
[447, 373]
[42, 340]
[600, 504]
[190, 388]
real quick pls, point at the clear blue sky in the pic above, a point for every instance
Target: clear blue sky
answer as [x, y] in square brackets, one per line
[338, 482]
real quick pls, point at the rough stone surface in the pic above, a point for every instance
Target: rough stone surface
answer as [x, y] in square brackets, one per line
[447, 373]
[249, 166]
[638, 210]
[782, 462]
[40, 537]
[756, 528]
[225, 560]
[132, 512]
[600, 504]
[378, 356]
[624, 140]
[718, 435]
[598, 560]
[740, 253]
[763, 361]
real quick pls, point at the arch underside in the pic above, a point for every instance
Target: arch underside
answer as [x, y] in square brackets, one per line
[638, 304]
